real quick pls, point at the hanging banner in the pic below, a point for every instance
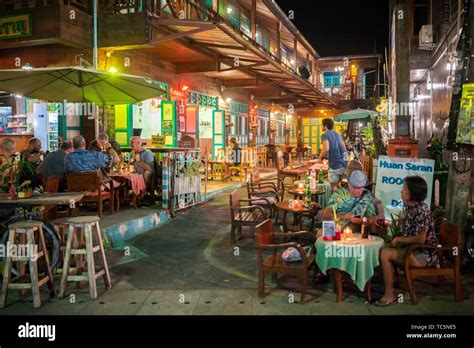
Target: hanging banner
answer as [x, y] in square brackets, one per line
[205, 123]
[168, 123]
[391, 173]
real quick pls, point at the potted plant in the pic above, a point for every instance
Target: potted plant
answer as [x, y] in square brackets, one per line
[12, 174]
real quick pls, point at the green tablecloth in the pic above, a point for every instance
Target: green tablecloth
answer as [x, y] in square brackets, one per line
[358, 260]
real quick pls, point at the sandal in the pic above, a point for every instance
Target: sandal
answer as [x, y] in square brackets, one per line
[386, 303]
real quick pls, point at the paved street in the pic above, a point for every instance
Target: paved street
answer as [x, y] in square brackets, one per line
[187, 267]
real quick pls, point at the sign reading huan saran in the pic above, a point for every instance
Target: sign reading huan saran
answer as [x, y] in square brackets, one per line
[15, 26]
[391, 174]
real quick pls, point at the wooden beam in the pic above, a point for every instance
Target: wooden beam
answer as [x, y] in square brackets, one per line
[240, 83]
[250, 66]
[253, 19]
[179, 35]
[180, 23]
[226, 47]
[199, 67]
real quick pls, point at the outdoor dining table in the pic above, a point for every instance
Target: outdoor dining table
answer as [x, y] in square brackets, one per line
[358, 258]
[134, 180]
[299, 193]
[298, 212]
[60, 198]
[322, 198]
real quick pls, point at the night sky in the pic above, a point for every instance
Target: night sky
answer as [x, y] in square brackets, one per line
[343, 27]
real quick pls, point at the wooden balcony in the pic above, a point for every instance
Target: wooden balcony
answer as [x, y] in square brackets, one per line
[197, 39]
[65, 23]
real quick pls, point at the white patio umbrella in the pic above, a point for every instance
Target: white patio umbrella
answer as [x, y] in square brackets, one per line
[356, 114]
[78, 84]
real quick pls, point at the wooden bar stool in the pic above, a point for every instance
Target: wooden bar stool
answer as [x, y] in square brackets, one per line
[36, 251]
[82, 230]
[61, 227]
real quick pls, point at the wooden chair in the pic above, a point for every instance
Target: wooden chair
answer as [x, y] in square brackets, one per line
[90, 183]
[244, 216]
[367, 166]
[450, 261]
[283, 173]
[274, 264]
[50, 212]
[259, 184]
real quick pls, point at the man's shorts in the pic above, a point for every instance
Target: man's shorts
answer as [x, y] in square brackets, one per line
[336, 175]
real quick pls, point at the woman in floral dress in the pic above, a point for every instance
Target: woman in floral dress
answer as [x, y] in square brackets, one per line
[417, 227]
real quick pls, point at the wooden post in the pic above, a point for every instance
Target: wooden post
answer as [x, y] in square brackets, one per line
[278, 40]
[295, 67]
[315, 72]
[253, 19]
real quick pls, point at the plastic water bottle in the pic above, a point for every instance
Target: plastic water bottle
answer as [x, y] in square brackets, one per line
[313, 180]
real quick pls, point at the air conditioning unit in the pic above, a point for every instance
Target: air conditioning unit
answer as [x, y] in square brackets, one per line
[426, 38]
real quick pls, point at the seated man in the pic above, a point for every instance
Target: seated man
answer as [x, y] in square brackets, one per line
[7, 151]
[102, 144]
[83, 161]
[53, 164]
[7, 158]
[144, 159]
[351, 203]
[33, 155]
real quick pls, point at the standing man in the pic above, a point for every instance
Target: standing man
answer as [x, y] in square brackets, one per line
[335, 150]
[144, 159]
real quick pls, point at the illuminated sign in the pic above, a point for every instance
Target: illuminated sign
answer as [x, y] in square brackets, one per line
[15, 26]
[202, 100]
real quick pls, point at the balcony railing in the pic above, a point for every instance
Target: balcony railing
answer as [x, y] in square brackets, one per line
[352, 92]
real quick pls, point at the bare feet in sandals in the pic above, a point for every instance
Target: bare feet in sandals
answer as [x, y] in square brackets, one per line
[387, 300]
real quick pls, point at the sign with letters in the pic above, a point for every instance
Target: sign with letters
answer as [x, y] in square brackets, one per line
[15, 26]
[391, 173]
[158, 141]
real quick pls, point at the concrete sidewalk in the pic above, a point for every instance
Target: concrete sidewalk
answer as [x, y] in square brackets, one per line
[187, 266]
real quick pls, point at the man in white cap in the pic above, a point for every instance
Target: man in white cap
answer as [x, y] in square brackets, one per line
[353, 202]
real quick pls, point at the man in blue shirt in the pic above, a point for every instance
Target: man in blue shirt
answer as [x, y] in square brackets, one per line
[335, 150]
[82, 161]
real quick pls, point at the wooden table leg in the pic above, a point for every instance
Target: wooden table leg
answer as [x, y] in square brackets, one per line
[337, 275]
[285, 227]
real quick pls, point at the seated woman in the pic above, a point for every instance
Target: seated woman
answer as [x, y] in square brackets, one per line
[417, 227]
[236, 152]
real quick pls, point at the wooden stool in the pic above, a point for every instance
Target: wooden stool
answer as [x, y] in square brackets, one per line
[61, 226]
[82, 229]
[36, 251]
